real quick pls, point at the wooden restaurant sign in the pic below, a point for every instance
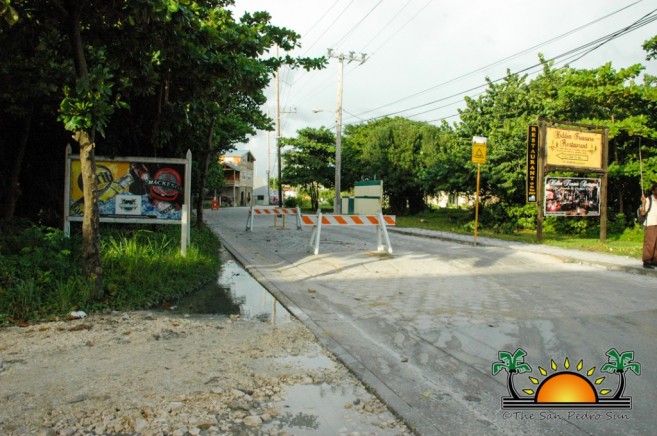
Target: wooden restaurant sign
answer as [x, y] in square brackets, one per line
[573, 148]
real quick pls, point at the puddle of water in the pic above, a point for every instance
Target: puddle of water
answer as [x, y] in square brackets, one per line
[234, 293]
[320, 410]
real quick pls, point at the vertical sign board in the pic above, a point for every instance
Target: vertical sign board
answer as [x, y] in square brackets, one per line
[133, 190]
[532, 164]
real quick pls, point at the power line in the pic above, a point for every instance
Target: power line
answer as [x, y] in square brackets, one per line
[646, 19]
[520, 53]
[355, 26]
[385, 26]
[330, 25]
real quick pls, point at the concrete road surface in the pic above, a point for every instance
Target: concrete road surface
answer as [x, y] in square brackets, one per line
[422, 327]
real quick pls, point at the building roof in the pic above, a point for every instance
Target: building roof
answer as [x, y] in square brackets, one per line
[241, 153]
[232, 166]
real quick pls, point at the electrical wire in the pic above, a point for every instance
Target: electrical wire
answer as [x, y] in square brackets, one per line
[513, 56]
[355, 26]
[646, 19]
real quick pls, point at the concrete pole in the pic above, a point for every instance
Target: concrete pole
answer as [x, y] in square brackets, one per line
[337, 206]
[278, 137]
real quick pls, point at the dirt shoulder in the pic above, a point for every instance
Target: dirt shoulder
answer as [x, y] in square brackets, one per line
[151, 373]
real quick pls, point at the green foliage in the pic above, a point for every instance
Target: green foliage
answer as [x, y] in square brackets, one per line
[291, 202]
[392, 149]
[91, 104]
[40, 277]
[8, 13]
[310, 163]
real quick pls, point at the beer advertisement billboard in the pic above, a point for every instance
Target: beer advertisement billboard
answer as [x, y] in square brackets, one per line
[136, 190]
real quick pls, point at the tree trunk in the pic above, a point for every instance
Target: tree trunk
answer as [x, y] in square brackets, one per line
[14, 177]
[205, 165]
[91, 266]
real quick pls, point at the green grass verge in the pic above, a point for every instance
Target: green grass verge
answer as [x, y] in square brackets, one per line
[628, 243]
[40, 270]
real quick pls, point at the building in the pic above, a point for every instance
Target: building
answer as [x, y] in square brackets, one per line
[238, 168]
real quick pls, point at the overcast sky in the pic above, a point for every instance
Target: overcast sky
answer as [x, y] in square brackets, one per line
[424, 56]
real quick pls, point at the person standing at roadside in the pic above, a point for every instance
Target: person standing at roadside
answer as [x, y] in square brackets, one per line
[649, 210]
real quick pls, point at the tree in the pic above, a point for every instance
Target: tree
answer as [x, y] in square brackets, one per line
[311, 161]
[391, 149]
[184, 73]
[618, 364]
[513, 364]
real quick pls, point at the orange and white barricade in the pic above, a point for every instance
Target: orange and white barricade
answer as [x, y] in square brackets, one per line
[379, 220]
[275, 212]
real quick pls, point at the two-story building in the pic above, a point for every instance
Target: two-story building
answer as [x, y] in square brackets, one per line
[238, 168]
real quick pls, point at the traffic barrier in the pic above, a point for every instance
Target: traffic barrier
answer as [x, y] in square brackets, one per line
[275, 212]
[379, 220]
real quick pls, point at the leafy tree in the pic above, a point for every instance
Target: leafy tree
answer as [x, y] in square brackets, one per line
[184, 73]
[391, 149]
[310, 163]
[650, 46]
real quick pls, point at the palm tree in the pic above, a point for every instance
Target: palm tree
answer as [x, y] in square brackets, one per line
[512, 364]
[619, 363]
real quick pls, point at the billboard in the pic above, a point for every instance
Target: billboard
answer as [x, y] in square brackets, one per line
[132, 189]
[572, 196]
[573, 148]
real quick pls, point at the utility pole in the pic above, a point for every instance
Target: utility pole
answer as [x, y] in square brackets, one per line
[278, 137]
[351, 57]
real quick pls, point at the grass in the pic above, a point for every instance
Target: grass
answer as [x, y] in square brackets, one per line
[629, 243]
[40, 270]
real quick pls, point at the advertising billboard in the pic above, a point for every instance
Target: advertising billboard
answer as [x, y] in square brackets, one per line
[132, 189]
[572, 196]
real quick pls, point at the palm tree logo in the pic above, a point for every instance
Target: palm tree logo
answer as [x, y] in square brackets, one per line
[619, 363]
[513, 364]
[569, 388]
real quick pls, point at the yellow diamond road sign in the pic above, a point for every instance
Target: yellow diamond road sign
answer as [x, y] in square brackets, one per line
[479, 150]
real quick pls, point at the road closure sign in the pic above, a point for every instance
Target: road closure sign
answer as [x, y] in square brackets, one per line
[573, 148]
[479, 150]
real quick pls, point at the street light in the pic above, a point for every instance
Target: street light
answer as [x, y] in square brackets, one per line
[337, 202]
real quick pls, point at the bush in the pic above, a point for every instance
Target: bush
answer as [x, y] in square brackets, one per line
[291, 202]
[502, 218]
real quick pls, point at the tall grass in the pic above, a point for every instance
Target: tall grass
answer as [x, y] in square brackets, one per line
[40, 270]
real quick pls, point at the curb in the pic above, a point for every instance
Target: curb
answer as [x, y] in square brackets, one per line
[567, 258]
[400, 408]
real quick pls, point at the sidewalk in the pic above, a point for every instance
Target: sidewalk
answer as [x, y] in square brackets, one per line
[608, 261]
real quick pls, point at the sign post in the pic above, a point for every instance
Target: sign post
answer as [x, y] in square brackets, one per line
[478, 157]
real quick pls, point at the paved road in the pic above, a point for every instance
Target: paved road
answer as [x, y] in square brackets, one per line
[423, 326]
